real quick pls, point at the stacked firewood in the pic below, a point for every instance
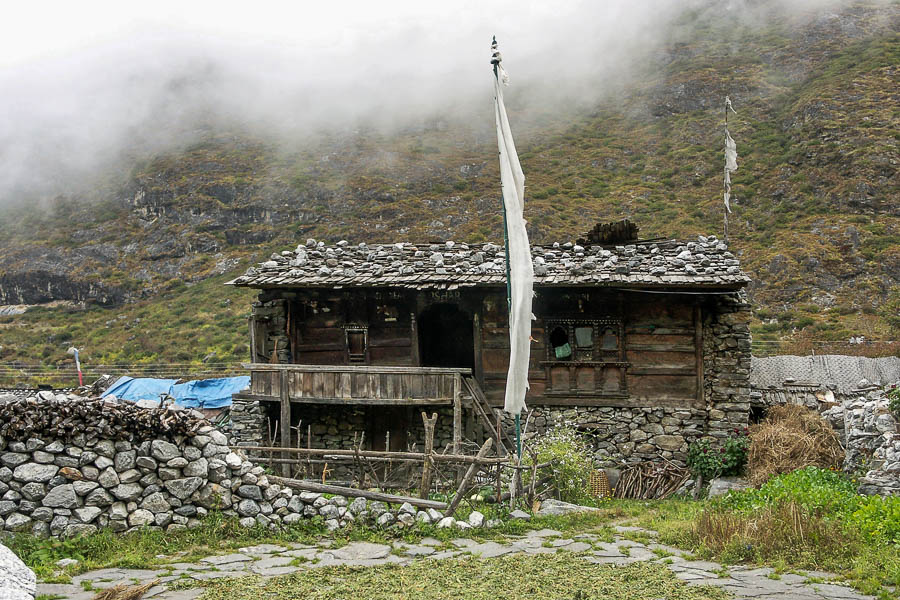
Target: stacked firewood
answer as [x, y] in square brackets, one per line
[57, 418]
[606, 234]
[651, 480]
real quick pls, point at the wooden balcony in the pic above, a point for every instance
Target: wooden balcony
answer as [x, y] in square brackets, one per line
[357, 384]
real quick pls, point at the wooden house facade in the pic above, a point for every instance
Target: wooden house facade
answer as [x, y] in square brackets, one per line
[645, 345]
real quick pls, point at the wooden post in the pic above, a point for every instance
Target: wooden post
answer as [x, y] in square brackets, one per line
[425, 487]
[251, 323]
[470, 474]
[698, 352]
[457, 415]
[500, 452]
[285, 437]
[478, 370]
[414, 347]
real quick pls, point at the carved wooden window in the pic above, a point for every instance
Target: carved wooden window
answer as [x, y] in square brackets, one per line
[585, 357]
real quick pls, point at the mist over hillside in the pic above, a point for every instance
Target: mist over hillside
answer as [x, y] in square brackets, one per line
[143, 170]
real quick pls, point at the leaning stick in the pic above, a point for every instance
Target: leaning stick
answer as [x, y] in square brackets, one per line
[470, 473]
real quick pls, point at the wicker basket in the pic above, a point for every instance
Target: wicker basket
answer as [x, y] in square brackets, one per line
[599, 484]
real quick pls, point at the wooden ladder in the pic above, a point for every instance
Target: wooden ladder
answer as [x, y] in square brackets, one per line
[486, 414]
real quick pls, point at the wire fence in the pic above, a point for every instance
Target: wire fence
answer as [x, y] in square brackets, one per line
[807, 347]
[31, 375]
[14, 374]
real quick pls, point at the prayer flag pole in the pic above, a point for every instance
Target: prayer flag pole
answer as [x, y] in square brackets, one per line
[519, 268]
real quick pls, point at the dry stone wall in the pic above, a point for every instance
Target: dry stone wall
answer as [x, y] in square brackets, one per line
[66, 487]
[869, 433]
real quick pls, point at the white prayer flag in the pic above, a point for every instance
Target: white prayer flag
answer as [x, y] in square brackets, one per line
[521, 268]
[730, 156]
[730, 153]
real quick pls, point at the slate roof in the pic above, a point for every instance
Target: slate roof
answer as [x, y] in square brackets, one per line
[449, 265]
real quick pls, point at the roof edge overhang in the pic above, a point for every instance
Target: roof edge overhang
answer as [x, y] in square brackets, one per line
[646, 287]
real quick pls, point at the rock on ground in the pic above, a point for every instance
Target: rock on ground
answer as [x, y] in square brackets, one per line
[551, 507]
[722, 485]
[17, 582]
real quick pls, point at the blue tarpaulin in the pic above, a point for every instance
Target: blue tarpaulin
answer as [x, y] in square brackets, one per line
[201, 393]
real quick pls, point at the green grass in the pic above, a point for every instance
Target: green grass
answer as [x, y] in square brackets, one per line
[556, 576]
[809, 519]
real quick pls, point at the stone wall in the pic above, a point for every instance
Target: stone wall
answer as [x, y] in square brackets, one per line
[869, 433]
[61, 488]
[627, 435]
[726, 365]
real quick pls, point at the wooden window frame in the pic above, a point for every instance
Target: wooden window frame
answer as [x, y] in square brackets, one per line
[598, 358]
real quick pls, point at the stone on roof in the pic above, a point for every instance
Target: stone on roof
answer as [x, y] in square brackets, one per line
[705, 262]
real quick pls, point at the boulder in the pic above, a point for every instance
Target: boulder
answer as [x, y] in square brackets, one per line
[140, 517]
[446, 522]
[722, 485]
[87, 513]
[127, 491]
[196, 468]
[551, 507]
[17, 582]
[155, 503]
[248, 508]
[125, 460]
[357, 506]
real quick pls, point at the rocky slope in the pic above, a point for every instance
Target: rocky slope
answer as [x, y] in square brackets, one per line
[816, 218]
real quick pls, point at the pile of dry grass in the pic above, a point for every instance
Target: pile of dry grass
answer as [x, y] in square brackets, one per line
[791, 437]
[124, 591]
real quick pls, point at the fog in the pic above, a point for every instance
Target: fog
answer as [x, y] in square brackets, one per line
[87, 89]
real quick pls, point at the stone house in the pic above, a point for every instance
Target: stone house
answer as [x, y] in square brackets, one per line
[643, 344]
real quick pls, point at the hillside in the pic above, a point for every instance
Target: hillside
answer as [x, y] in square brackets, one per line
[138, 263]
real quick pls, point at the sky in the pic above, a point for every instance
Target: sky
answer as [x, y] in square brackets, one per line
[83, 84]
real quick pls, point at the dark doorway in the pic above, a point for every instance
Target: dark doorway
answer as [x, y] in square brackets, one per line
[445, 337]
[388, 427]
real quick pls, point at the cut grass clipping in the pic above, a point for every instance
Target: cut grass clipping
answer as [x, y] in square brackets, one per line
[545, 576]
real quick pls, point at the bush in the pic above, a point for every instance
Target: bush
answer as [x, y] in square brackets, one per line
[572, 463]
[729, 459]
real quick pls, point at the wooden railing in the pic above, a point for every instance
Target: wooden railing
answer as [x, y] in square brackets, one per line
[355, 385]
[358, 384]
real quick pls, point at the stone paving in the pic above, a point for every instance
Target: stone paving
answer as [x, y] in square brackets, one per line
[269, 560]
